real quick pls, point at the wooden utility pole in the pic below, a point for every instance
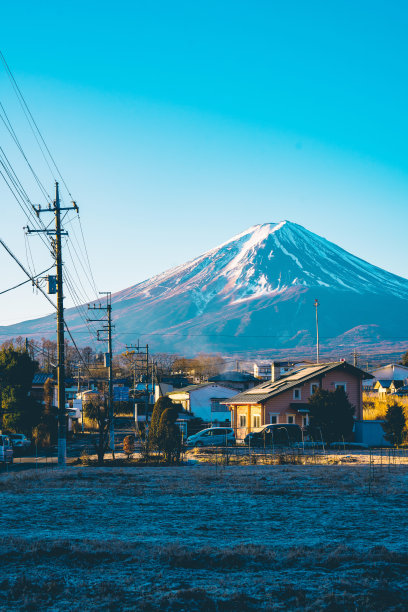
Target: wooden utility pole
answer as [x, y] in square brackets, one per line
[107, 329]
[57, 247]
[143, 350]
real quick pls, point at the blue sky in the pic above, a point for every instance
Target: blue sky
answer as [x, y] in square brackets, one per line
[179, 124]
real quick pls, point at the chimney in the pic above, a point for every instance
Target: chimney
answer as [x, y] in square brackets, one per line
[275, 374]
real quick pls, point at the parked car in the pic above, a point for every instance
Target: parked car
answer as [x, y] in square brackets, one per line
[19, 440]
[274, 435]
[213, 436]
[6, 450]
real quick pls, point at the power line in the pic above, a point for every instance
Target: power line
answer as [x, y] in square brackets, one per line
[87, 256]
[26, 281]
[76, 348]
[32, 123]
[10, 129]
[18, 191]
[12, 183]
[26, 272]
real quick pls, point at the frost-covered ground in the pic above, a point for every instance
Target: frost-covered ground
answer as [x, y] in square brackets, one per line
[200, 538]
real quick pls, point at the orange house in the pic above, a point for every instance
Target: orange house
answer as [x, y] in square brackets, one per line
[286, 400]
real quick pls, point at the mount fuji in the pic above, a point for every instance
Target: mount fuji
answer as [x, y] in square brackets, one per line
[256, 292]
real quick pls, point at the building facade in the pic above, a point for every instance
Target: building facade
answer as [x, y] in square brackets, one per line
[206, 401]
[286, 400]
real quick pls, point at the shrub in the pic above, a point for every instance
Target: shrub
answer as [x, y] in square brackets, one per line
[394, 425]
[331, 415]
[41, 435]
[129, 446]
[169, 435]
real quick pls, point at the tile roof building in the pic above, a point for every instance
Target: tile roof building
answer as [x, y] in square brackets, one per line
[286, 400]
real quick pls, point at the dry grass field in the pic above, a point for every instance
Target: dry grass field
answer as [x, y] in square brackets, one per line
[197, 538]
[376, 408]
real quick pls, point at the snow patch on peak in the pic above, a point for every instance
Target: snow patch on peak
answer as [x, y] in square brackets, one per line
[256, 238]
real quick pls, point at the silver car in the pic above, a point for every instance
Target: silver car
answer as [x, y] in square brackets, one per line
[6, 450]
[19, 440]
[213, 436]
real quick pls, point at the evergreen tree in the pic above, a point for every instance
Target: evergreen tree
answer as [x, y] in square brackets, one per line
[395, 426]
[169, 435]
[404, 360]
[20, 412]
[331, 415]
[160, 406]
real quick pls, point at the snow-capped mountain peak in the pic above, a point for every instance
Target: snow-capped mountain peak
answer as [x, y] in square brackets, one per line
[268, 259]
[256, 291]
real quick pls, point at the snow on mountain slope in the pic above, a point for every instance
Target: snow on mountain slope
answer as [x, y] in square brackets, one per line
[266, 260]
[256, 292]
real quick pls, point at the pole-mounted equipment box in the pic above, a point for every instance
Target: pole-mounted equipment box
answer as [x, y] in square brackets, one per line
[51, 284]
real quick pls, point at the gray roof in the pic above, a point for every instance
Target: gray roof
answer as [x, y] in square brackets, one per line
[234, 376]
[188, 388]
[402, 391]
[41, 377]
[268, 389]
[194, 387]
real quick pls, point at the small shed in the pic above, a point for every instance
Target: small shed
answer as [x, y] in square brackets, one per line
[370, 433]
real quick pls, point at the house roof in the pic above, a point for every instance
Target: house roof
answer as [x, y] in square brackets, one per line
[385, 384]
[194, 388]
[40, 377]
[234, 376]
[394, 366]
[398, 383]
[268, 389]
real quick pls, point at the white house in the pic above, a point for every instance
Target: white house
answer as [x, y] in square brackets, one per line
[392, 371]
[205, 401]
[276, 369]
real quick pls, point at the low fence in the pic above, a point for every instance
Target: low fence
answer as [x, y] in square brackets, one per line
[229, 455]
[39, 459]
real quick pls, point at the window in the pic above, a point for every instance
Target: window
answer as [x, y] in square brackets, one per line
[297, 394]
[341, 385]
[273, 419]
[305, 421]
[217, 404]
[313, 387]
[291, 419]
[242, 420]
[256, 420]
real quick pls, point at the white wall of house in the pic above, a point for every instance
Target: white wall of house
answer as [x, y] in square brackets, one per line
[161, 389]
[199, 401]
[393, 371]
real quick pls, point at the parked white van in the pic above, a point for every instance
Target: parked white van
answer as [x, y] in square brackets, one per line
[6, 450]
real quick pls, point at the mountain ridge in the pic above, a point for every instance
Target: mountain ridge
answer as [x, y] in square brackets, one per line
[256, 290]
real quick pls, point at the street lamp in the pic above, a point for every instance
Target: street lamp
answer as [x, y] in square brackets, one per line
[316, 305]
